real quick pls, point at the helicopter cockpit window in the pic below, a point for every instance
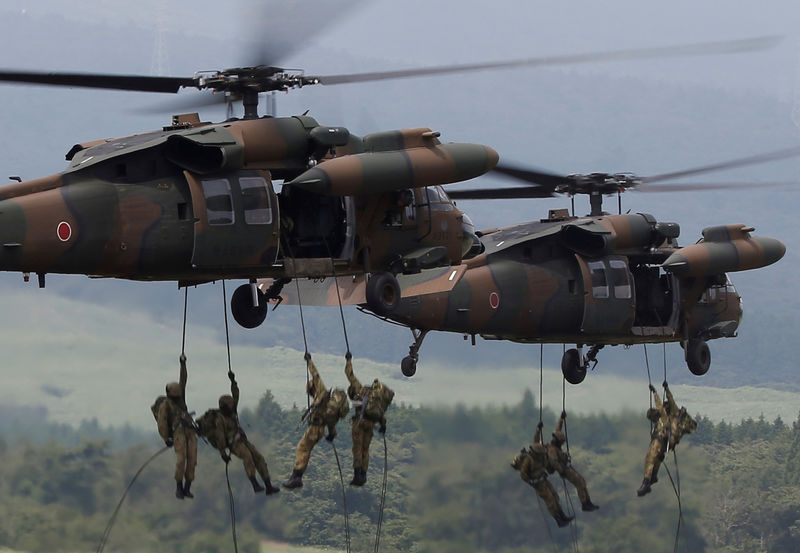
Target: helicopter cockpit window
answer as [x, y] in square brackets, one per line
[219, 204]
[255, 200]
[599, 279]
[619, 279]
[438, 199]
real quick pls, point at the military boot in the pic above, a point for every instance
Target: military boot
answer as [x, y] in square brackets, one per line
[179, 490]
[562, 519]
[295, 480]
[359, 477]
[589, 506]
[645, 488]
[270, 488]
[256, 486]
[187, 489]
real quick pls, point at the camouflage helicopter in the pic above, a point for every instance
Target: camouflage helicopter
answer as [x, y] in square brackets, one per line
[596, 280]
[195, 202]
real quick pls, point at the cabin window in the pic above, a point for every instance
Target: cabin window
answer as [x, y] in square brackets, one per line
[438, 199]
[219, 204]
[619, 279]
[599, 279]
[255, 201]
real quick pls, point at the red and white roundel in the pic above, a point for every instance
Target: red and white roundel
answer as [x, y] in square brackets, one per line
[494, 300]
[64, 231]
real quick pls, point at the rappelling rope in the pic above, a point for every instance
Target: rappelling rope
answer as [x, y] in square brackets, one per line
[185, 306]
[383, 494]
[113, 519]
[574, 523]
[541, 378]
[344, 499]
[546, 524]
[232, 509]
[227, 332]
[338, 296]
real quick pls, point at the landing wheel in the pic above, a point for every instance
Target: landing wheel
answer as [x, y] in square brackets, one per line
[572, 368]
[698, 356]
[409, 366]
[383, 293]
[242, 307]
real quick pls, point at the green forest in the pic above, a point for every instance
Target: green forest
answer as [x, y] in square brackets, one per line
[450, 487]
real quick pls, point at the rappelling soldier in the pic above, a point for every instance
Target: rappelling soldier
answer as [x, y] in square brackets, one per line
[223, 431]
[660, 419]
[532, 466]
[370, 404]
[176, 427]
[561, 462]
[326, 409]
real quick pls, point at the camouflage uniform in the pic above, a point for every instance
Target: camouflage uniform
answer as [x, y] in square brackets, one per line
[661, 419]
[680, 421]
[228, 434]
[363, 423]
[317, 421]
[176, 427]
[561, 462]
[531, 464]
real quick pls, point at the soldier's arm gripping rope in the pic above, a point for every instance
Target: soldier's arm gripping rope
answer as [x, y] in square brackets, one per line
[564, 466]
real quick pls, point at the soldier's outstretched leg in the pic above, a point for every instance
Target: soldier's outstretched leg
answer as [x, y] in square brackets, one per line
[241, 450]
[362, 436]
[575, 478]
[179, 444]
[651, 465]
[191, 462]
[312, 435]
[261, 467]
[548, 494]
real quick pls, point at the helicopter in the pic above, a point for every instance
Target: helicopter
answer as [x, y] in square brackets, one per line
[195, 202]
[599, 280]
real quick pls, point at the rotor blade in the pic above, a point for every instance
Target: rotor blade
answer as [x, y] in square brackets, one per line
[740, 162]
[682, 187]
[501, 193]
[698, 49]
[140, 83]
[183, 103]
[532, 176]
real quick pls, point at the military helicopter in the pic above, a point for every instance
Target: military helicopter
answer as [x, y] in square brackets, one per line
[596, 280]
[195, 201]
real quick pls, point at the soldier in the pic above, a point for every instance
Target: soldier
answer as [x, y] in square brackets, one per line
[176, 427]
[531, 464]
[370, 404]
[227, 434]
[661, 419]
[327, 407]
[561, 462]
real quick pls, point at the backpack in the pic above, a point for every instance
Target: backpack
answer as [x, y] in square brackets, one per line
[157, 405]
[207, 427]
[337, 407]
[377, 402]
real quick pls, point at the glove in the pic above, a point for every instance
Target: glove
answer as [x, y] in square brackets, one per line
[307, 356]
[652, 388]
[666, 386]
[540, 425]
[169, 442]
[183, 358]
[226, 458]
[330, 437]
[382, 429]
[563, 414]
[348, 356]
[231, 376]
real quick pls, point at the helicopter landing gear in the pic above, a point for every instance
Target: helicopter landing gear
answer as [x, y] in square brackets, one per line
[249, 305]
[698, 356]
[383, 293]
[409, 363]
[574, 364]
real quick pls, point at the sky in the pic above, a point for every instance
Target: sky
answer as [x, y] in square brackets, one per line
[643, 116]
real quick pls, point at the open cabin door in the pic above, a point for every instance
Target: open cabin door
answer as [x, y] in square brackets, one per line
[237, 222]
[609, 296]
